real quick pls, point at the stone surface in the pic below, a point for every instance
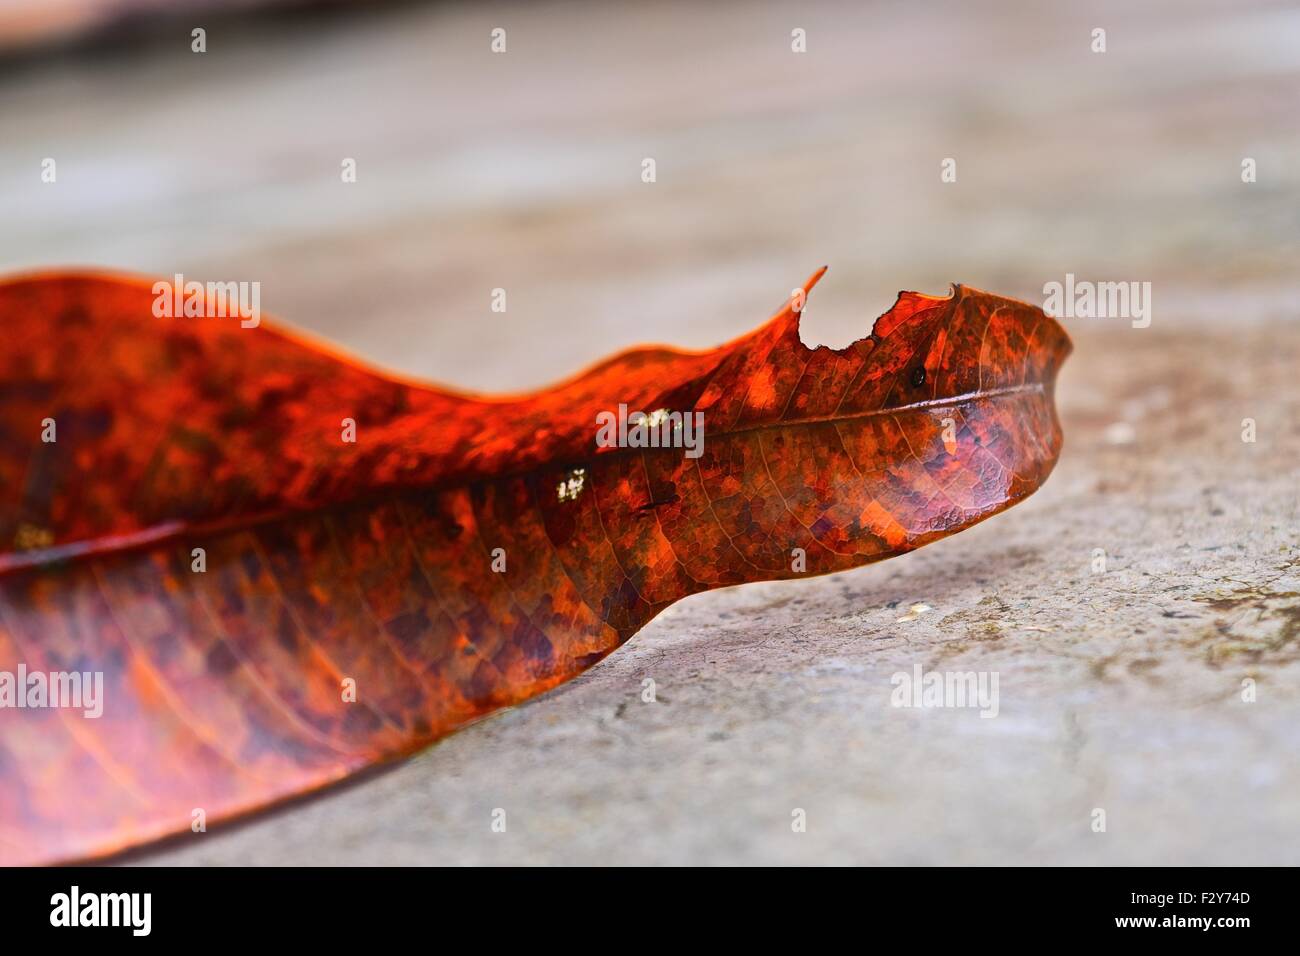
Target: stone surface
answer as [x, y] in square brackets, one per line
[1119, 690]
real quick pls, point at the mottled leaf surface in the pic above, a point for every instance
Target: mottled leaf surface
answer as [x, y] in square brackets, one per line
[372, 561]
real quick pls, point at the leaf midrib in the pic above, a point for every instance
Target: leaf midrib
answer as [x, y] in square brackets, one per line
[37, 559]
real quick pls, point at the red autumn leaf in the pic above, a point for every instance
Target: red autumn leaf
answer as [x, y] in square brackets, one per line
[201, 534]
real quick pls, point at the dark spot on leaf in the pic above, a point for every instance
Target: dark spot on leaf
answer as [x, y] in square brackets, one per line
[221, 659]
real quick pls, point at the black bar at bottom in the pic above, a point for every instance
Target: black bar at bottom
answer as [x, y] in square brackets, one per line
[520, 907]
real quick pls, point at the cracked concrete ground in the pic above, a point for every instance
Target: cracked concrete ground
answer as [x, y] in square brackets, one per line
[1119, 689]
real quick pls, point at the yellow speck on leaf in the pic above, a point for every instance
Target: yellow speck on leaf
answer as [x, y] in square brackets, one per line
[29, 537]
[571, 487]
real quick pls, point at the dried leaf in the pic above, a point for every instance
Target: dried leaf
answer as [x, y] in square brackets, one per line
[201, 533]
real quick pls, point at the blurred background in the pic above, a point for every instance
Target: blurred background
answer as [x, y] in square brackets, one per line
[522, 170]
